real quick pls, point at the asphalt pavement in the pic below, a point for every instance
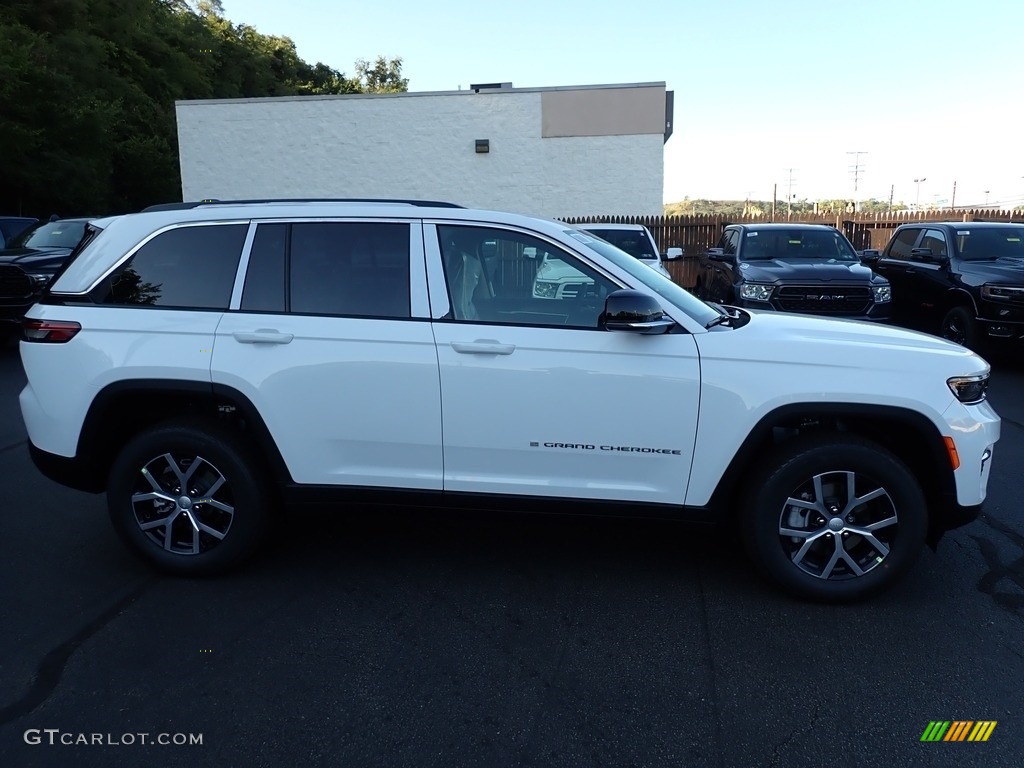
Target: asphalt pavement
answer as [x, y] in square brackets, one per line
[397, 639]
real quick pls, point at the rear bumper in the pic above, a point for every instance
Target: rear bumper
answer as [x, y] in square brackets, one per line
[68, 471]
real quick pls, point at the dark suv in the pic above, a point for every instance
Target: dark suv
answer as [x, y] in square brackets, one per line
[961, 280]
[28, 263]
[808, 268]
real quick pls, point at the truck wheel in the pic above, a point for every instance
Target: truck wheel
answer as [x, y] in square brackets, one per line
[189, 498]
[834, 518]
[960, 327]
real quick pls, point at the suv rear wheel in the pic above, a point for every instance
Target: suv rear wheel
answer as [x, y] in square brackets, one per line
[835, 518]
[188, 498]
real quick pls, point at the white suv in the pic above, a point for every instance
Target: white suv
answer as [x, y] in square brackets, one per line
[636, 240]
[232, 359]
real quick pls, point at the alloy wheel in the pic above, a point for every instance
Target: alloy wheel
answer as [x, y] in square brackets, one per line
[838, 525]
[182, 504]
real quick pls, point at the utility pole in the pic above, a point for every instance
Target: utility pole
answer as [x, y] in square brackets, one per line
[775, 199]
[917, 199]
[789, 194]
[892, 189]
[855, 169]
[952, 202]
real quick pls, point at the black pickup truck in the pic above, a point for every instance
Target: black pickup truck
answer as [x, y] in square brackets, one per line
[808, 268]
[960, 280]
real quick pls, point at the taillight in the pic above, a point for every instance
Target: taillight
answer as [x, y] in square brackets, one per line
[49, 331]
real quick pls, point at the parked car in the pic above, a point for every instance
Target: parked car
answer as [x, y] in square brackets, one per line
[229, 358]
[961, 280]
[28, 263]
[12, 226]
[806, 268]
[637, 241]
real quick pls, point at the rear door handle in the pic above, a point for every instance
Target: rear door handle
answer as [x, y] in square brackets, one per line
[263, 336]
[483, 347]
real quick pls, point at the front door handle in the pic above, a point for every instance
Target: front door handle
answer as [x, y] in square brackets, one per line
[483, 347]
[263, 336]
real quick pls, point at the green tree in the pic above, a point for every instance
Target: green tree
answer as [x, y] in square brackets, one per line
[88, 87]
[383, 76]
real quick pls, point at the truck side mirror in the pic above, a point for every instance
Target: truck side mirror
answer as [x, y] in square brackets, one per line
[673, 253]
[717, 254]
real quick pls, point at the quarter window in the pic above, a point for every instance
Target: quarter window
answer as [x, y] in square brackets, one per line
[188, 267]
[936, 240]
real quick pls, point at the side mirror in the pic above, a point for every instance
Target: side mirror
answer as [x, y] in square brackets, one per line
[634, 311]
[717, 254]
[870, 255]
[673, 253]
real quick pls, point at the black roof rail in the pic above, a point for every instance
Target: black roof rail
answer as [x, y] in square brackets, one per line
[200, 203]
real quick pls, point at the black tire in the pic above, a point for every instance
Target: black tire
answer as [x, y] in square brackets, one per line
[237, 510]
[808, 564]
[960, 327]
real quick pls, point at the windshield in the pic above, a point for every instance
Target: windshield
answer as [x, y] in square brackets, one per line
[990, 243]
[50, 234]
[632, 241]
[789, 244]
[663, 286]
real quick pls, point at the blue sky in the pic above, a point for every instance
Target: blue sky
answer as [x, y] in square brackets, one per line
[928, 89]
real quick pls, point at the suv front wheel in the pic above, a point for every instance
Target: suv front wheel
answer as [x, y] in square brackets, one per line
[959, 326]
[834, 518]
[188, 498]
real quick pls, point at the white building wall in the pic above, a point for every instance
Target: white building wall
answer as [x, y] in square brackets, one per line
[415, 146]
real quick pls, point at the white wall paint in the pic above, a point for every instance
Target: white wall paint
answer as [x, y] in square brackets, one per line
[417, 146]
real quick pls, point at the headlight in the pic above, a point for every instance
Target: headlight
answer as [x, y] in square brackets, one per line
[1002, 293]
[755, 291]
[545, 290]
[969, 389]
[883, 293]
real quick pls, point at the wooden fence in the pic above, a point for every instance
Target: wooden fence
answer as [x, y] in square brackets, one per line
[695, 234]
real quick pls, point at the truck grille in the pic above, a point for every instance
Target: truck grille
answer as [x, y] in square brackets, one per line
[14, 283]
[824, 300]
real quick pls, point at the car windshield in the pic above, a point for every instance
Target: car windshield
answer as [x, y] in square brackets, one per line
[990, 243]
[50, 234]
[632, 241]
[788, 244]
[657, 282]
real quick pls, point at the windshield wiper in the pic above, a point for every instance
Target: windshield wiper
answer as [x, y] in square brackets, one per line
[723, 319]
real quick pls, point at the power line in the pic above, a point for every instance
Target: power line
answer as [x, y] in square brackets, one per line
[789, 192]
[856, 169]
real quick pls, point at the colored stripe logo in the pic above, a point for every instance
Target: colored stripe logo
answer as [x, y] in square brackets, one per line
[958, 730]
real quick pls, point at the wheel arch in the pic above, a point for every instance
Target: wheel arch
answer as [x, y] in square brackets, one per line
[910, 435]
[958, 297]
[124, 408]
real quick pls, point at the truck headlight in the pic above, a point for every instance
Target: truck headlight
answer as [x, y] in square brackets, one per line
[545, 290]
[969, 389]
[1002, 293]
[883, 293]
[756, 291]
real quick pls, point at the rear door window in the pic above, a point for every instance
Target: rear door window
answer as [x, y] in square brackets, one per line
[336, 268]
